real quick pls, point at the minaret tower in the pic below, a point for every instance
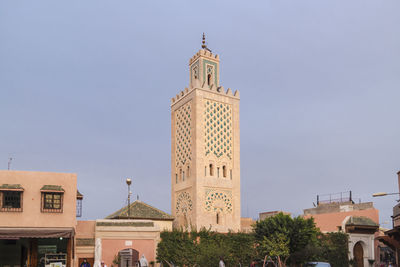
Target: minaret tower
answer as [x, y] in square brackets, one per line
[205, 150]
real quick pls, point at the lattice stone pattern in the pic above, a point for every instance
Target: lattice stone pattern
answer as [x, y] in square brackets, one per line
[218, 129]
[184, 203]
[218, 201]
[183, 135]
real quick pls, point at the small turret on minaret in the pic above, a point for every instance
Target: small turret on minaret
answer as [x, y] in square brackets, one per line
[204, 67]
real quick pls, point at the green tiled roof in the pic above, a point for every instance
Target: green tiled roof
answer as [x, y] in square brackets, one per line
[11, 186]
[361, 220]
[52, 188]
[140, 210]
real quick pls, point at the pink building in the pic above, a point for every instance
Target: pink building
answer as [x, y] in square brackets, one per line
[37, 218]
[360, 221]
[123, 238]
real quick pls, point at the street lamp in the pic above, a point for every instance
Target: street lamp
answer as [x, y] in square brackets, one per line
[128, 182]
[382, 194]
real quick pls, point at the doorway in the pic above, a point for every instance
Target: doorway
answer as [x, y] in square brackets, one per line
[358, 253]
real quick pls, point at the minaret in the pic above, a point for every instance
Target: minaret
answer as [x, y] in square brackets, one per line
[205, 150]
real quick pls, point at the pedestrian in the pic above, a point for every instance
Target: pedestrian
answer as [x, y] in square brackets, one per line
[221, 262]
[103, 264]
[85, 263]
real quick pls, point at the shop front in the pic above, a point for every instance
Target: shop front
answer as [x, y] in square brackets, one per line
[36, 247]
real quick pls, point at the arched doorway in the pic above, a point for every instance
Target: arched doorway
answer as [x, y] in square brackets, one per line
[128, 258]
[358, 253]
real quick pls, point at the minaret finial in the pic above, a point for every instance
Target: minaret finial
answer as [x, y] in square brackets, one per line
[204, 46]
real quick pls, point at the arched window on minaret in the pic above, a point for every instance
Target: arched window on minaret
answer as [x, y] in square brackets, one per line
[217, 218]
[183, 176]
[218, 172]
[211, 170]
[209, 79]
[180, 174]
[205, 171]
[176, 178]
[188, 172]
[224, 171]
[231, 174]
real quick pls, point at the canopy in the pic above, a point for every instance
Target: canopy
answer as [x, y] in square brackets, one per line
[13, 233]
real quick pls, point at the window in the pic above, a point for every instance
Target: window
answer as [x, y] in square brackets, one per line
[183, 176]
[188, 172]
[211, 170]
[52, 198]
[217, 218]
[209, 79]
[231, 174]
[52, 202]
[218, 172]
[205, 171]
[11, 200]
[224, 171]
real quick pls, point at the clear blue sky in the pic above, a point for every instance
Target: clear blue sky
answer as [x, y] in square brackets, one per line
[85, 87]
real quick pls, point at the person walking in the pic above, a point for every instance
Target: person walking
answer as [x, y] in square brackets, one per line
[221, 262]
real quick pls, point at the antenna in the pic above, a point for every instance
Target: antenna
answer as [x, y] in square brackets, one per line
[9, 162]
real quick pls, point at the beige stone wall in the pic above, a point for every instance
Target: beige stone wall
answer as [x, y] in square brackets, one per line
[214, 139]
[31, 215]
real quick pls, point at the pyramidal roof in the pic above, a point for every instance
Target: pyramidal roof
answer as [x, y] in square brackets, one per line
[140, 210]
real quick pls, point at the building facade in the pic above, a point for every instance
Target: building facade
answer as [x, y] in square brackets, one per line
[205, 150]
[360, 221]
[37, 218]
[124, 238]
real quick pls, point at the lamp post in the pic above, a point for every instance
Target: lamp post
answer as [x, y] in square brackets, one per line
[128, 182]
[382, 194]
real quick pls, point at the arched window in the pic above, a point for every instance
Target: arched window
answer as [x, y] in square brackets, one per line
[180, 174]
[224, 171]
[218, 172]
[205, 171]
[211, 170]
[188, 172]
[209, 79]
[231, 174]
[217, 218]
[176, 178]
[183, 176]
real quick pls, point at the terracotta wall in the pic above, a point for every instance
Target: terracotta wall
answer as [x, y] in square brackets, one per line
[111, 247]
[31, 216]
[85, 229]
[329, 222]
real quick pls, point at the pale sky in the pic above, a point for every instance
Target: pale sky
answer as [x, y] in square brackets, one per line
[85, 87]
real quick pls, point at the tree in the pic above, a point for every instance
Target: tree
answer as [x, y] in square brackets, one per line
[296, 233]
[276, 246]
[334, 248]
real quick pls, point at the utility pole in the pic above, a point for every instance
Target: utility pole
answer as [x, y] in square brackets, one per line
[9, 162]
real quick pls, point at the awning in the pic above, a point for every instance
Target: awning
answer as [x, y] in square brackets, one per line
[52, 188]
[389, 241]
[13, 233]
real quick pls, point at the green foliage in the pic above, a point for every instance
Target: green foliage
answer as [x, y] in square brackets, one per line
[334, 249]
[295, 240]
[292, 236]
[204, 248]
